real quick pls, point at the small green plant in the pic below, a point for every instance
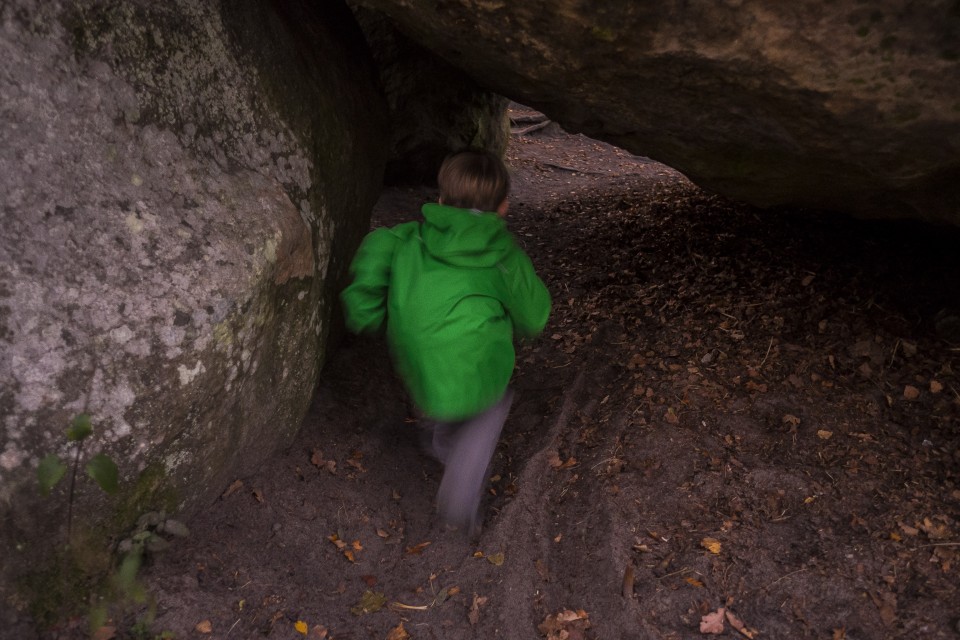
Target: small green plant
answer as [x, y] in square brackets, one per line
[122, 586]
[74, 584]
[101, 468]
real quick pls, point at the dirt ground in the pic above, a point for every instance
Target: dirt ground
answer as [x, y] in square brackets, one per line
[738, 423]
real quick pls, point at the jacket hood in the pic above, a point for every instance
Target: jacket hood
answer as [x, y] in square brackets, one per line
[464, 237]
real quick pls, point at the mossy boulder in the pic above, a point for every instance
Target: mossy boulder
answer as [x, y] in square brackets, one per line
[845, 105]
[184, 185]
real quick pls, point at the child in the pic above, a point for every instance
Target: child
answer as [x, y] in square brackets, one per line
[451, 291]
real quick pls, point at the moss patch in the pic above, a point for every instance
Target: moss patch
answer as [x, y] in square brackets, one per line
[75, 577]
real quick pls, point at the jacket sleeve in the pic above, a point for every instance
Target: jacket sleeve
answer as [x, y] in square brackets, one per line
[365, 299]
[529, 303]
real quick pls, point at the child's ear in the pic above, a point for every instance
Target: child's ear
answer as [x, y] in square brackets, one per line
[502, 209]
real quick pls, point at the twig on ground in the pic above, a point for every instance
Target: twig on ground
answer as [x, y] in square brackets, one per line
[784, 577]
[529, 118]
[676, 573]
[573, 169]
[769, 346]
[531, 128]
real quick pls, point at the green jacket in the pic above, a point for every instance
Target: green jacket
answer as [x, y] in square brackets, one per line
[450, 291]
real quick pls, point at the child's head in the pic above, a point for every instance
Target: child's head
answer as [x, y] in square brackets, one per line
[474, 180]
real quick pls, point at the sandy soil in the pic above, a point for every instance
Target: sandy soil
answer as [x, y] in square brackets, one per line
[735, 417]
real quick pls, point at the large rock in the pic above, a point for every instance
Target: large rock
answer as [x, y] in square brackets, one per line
[184, 183]
[846, 104]
[434, 108]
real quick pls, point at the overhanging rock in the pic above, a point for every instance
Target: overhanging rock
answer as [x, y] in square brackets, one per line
[840, 105]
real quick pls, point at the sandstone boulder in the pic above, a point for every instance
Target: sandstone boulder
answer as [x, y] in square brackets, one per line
[434, 108]
[184, 183]
[841, 105]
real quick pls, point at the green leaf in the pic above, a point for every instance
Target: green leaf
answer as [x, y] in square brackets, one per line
[97, 617]
[370, 602]
[50, 472]
[80, 428]
[127, 572]
[102, 469]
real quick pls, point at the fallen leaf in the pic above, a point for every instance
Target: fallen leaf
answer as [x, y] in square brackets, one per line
[496, 559]
[542, 570]
[823, 434]
[319, 631]
[474, 615]
[104, 633]
[935, 387]
[711, 544]
[839, 634]
[628, 582]
[566, 625]
[791, 420]
[887, 605]
[204, 626]
[398, 633]
[671, 416]
[370, 602]
[316, 458]
[417, 549]
[935, 531]
[301, 627]
[443, 595]
[713, 622]
[258, 495]
[382, 533]
[693, 581]
[737, 624]
[236, 484]
[910, 392]
[369, 580]
[555, 461]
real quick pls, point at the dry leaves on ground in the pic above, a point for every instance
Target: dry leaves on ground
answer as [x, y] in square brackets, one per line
[566, 625]
[714, 623]
[474, 615]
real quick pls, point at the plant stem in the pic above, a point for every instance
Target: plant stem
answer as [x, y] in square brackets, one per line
[73, 484]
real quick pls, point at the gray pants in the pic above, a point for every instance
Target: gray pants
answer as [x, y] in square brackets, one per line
[466, 449]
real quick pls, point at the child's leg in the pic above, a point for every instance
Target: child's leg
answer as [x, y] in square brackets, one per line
[436, 438]
[468, 457]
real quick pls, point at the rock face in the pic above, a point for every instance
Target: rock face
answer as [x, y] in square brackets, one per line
[842, 105]
[184, 183]
[434, 108]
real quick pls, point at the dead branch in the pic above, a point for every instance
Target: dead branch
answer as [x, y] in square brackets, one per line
[531, 128]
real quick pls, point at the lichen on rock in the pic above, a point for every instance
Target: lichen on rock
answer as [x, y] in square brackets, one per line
[184, 191]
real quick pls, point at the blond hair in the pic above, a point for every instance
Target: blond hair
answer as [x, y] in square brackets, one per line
[473, 180]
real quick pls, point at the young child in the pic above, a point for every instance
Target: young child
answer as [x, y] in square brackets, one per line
[451, 291]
